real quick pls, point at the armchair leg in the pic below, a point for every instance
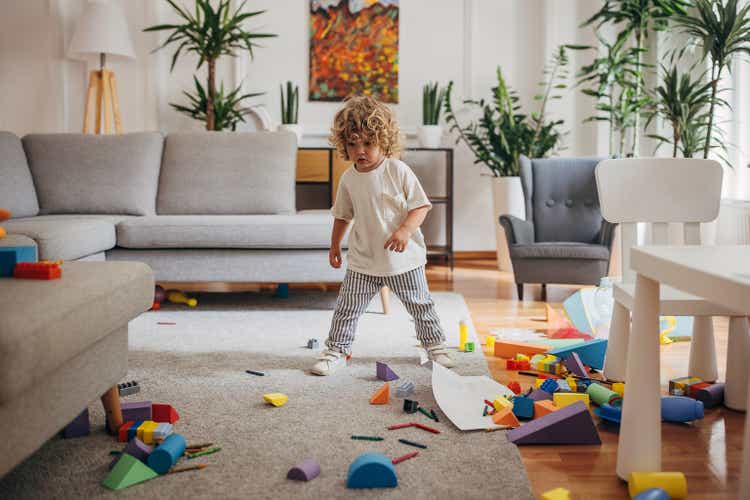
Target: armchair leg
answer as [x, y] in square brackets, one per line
[544, 292]
[519, 289]
[111, 404]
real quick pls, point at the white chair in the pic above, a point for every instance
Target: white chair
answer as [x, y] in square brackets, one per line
[662, 191]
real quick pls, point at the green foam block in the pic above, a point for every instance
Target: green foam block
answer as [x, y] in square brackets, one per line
[127, 472]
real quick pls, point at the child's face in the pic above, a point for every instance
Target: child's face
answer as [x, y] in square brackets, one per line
[365, 153]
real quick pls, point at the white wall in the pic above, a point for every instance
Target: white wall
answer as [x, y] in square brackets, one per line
[459, 40]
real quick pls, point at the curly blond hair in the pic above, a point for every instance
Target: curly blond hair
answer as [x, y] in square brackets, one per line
[364, 117]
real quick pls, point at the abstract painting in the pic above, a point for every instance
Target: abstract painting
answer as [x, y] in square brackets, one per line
[353, 49]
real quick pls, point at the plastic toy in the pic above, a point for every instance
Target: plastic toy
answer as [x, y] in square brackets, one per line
[160, 294]
[410, 406]
[128, 388]
[282, 291]
[164, 413]
[507, 418]
[133, 429]
[4, 215]
[307, 470]
[276, 398]
[619, 388]
[549, 385]
[78, 427]
[591, 352]
[678, 386]
[37, 271]
[609, 413]
[489, 342]
[177, 297]
[513, 364]
[371, 470]
[562, 386]
[680, 409]
[543, 407]
[692, 389]
[501, 403]
[506, 349]
[514, 386]
[556, 494]
[710, 396]
[136, 410]
[463, 334]
[469, 347]
[10, 256]
[540, 395]
[405, 389]
[652, 494]
[128, 471]
[122, 432]
[569, 425]
[162, 431]
[425, 428]
[563, 399]
[312, 344]
[137, 449]
[574, 364]
[523, 407]
[384, 372]
[600, 395]
[381, 396]
[167, 453]
[673, 483]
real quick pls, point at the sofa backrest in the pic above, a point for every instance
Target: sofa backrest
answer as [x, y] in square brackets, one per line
[17, 192]
[561, 198]
[228, 173]
[101, 174]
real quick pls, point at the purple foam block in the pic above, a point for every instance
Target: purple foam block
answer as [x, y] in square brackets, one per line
[384, 372]
[575, 365]
[304, 471]
[711, 396]
[137, 449]
[137, 410]
[78, 427]
[571, 424]
[539, 395]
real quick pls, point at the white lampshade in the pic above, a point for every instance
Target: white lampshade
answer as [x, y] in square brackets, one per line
[102, 29]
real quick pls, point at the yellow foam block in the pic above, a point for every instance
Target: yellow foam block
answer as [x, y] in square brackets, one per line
[141, 431]
[563, 399]
[490, 343]
[276, 398]
[556, 494]
[148, 431]
[502, 403]
[571, 383]
[619, 388]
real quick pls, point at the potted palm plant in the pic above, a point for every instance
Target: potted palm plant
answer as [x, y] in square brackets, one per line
[430, 132]
[290, 110]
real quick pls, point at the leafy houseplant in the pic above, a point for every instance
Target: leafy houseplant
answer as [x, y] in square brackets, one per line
[210, 33]
[432, 104]
[290, 110]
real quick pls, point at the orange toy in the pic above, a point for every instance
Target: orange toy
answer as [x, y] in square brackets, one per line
[506, 417]
[4, 215]
[37, 270]
[504, 349]
[543, 407]
[381, 396]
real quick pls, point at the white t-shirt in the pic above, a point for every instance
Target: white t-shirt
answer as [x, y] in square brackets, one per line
[379, 201]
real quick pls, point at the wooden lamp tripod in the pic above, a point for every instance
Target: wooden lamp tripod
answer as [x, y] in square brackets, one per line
[102, 96]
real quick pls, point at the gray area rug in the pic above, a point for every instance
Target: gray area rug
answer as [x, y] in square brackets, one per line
[198, 365]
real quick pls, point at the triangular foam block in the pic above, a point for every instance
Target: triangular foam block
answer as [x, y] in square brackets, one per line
[591, 352]
[569, 425]
[577, 308]
[569, 333]
[164, 413]
[555, 320]
[506, 417]
[543, 407]
[381, 396]
[276, 398]
[574, 364]
[384, 372]
[127, 472]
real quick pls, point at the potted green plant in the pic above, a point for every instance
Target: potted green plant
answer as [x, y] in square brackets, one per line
[430, 132]
[503, 133]
[290, 110]
[210, 33]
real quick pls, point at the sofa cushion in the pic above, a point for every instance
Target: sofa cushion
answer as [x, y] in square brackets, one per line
[43, 324]
[66, 237]
[95, 174]
[17, 192]
[305, 230]
[559, 250]
[228, 173]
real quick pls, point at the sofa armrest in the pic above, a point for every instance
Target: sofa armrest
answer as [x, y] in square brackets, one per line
[518, 231]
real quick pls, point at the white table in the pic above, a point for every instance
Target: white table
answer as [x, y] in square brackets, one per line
[719, 274]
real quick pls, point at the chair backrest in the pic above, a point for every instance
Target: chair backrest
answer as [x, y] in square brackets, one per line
[658, 191]
[561, 198]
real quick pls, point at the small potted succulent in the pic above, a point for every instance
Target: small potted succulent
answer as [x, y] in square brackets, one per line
[290, 110]
[430, 133]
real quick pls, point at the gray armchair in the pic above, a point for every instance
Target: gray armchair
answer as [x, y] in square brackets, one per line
[564, 238]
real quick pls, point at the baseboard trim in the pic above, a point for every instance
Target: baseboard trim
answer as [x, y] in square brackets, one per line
[474, 255]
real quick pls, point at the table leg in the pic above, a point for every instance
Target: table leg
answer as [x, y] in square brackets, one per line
[738, 350]
[745, 470]
[639, 447]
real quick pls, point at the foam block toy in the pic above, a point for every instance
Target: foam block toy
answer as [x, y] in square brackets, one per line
[177, 297]
[556, 320]
[410, 406]
[162, 431]
[167, 453]
[276, 398]
[679, 386]
[556, 494]
[490, 343]
[381, 396]
[574, 365]
[312, 344]
[569, 333]
[591, 352]
[136, 410]
[384, 372]
[523, 407]
[146, 430]
[674, 483]
[160, 295]
[710, 396]
[543, 407]
[680, 409]
[600, 395]
[78, 427]
[405, 389]
[306, 470]
[122, 432]
[569, 425]
[652, 494]
[563, 399]
[136, 448]
[469, 347]
[514, 386]
[619, 388]
[506, 417]
[502, 403]
[371, 470]
[578, 309]
[506, 349]
[133, 429]
[164, 413]
[128, 471]
[609, 413]
[549, 385]
[540, 395]
[10, 256]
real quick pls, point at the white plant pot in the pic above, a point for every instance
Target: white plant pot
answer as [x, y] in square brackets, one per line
[430, 136]
[507, 196]
[292, 127]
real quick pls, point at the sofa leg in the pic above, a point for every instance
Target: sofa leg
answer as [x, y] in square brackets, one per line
[111, 404]
[544, 292]
[385, 299]
[519, 289]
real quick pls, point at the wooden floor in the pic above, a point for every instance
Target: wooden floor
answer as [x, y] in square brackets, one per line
[708, 452]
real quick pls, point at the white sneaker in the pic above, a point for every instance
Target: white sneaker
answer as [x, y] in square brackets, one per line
[438, 353]
[328, 362]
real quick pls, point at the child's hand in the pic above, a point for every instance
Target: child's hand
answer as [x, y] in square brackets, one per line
[398, 240]
[334, 256]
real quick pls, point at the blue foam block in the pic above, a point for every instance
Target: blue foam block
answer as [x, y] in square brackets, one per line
[371, 470]
[550, 385]
[523, 407]
[10, 256]
[133, 429]
[591, 352]
[167, 453]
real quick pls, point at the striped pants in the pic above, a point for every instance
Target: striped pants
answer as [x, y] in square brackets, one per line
[357, 291]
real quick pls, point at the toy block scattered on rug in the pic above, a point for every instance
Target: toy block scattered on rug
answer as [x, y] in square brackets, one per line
[501, 403]
[162, 431]
[128, 471]
[384, 372]
[136, 410]
[128, 388]
[556, 494]
[381, 396]
[410, 406]
[405, 389]
[371, 470]
[591, 352]
[549, 385]
[523, 407]
[540, 395]
[680, 409]
[506, 417]
[514, 386]
[164, 413]
[167, 453]
[563, 399]
[569, 425]
[10, 256]
[507, 349]
[543, 407]
[674, 483]
[512, 364]
[137, 449]
[276, 398]
[78, 427]
[37, 271]
[678, 386]
[122, 432]
[146, 431]
[574, 365]
[710, 396]
[307, 470]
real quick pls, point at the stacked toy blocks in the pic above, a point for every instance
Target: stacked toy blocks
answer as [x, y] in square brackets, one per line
[37, 271]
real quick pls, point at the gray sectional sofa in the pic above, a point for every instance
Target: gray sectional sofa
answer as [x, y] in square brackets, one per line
[205, 206]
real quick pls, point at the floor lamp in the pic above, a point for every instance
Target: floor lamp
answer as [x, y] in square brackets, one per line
[102, 30]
